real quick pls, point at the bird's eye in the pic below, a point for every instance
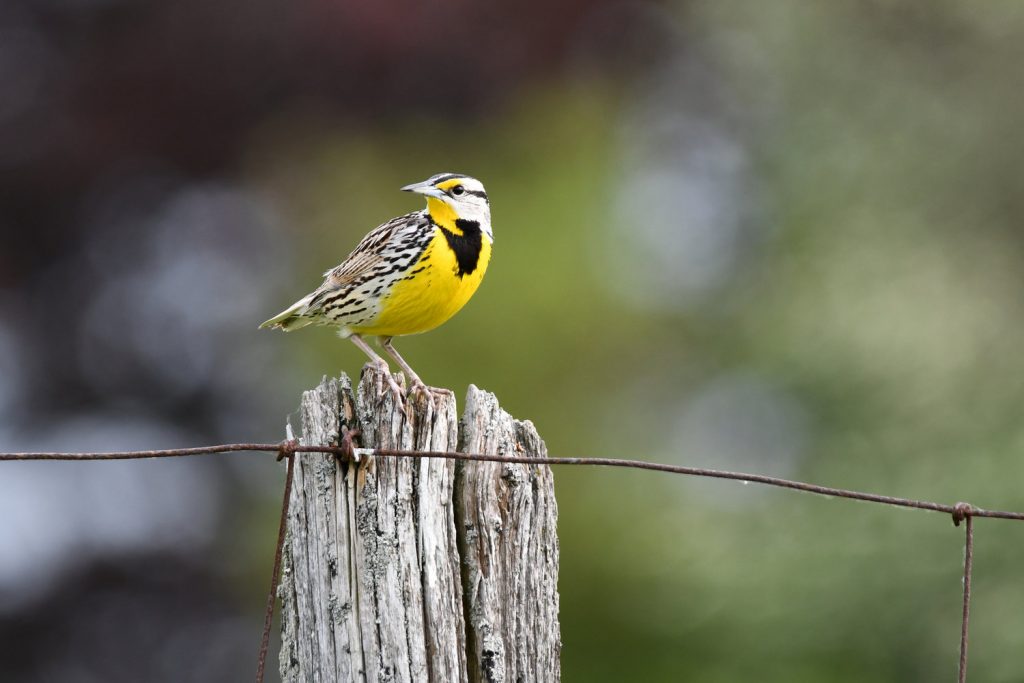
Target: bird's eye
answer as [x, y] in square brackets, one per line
[458, 190]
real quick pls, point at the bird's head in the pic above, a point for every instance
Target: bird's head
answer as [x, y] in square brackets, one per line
[452, 197]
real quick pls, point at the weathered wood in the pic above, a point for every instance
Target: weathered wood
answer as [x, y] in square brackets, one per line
[507, 518]
[373, 576]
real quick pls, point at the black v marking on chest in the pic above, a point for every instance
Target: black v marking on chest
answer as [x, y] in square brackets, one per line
[466, 246]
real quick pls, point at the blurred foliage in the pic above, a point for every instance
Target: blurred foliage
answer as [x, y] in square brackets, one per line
[849, 176]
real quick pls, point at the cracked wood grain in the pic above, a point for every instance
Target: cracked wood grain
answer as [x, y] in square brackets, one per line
[377, 554]
[507, 538]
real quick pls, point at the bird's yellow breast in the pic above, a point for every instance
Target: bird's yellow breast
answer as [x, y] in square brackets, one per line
[431, 292]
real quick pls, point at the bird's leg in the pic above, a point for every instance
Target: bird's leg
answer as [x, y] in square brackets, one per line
[415, 383]
[382, 365]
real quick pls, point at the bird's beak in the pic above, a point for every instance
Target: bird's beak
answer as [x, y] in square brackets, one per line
[425, 188]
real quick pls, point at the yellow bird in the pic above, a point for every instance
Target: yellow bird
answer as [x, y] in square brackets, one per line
[408, 275]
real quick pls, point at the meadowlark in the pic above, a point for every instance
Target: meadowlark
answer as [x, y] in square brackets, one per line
[408, 275]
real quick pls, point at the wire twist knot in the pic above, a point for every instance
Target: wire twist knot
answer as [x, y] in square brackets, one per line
[962, 511]
[287, 448]
[348, 447]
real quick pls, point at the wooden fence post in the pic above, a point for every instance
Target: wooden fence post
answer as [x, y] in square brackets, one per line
[410, 569]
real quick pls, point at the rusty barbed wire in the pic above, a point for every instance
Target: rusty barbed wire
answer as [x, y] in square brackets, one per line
[960, 512]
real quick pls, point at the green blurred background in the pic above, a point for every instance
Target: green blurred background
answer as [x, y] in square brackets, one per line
[783, 238]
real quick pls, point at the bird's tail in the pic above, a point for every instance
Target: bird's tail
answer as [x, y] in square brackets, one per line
[291, 318]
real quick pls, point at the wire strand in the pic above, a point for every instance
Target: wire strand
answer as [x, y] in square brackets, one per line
[968, 570]
[960, 511]
[286, 450]
[488, 457]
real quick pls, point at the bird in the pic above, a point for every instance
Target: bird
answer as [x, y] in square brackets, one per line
[407, 276]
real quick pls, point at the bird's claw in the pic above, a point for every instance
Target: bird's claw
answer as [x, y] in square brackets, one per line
[418, 387]
[396, 390]
[398, 394]
[433, 393]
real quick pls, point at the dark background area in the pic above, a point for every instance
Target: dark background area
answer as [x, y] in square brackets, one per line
[777, 237]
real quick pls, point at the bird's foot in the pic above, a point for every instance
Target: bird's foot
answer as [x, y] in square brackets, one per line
[397, 392]
[418, 388]
[384, 372]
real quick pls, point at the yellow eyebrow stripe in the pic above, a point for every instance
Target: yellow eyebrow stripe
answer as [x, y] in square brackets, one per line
[449, 184]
